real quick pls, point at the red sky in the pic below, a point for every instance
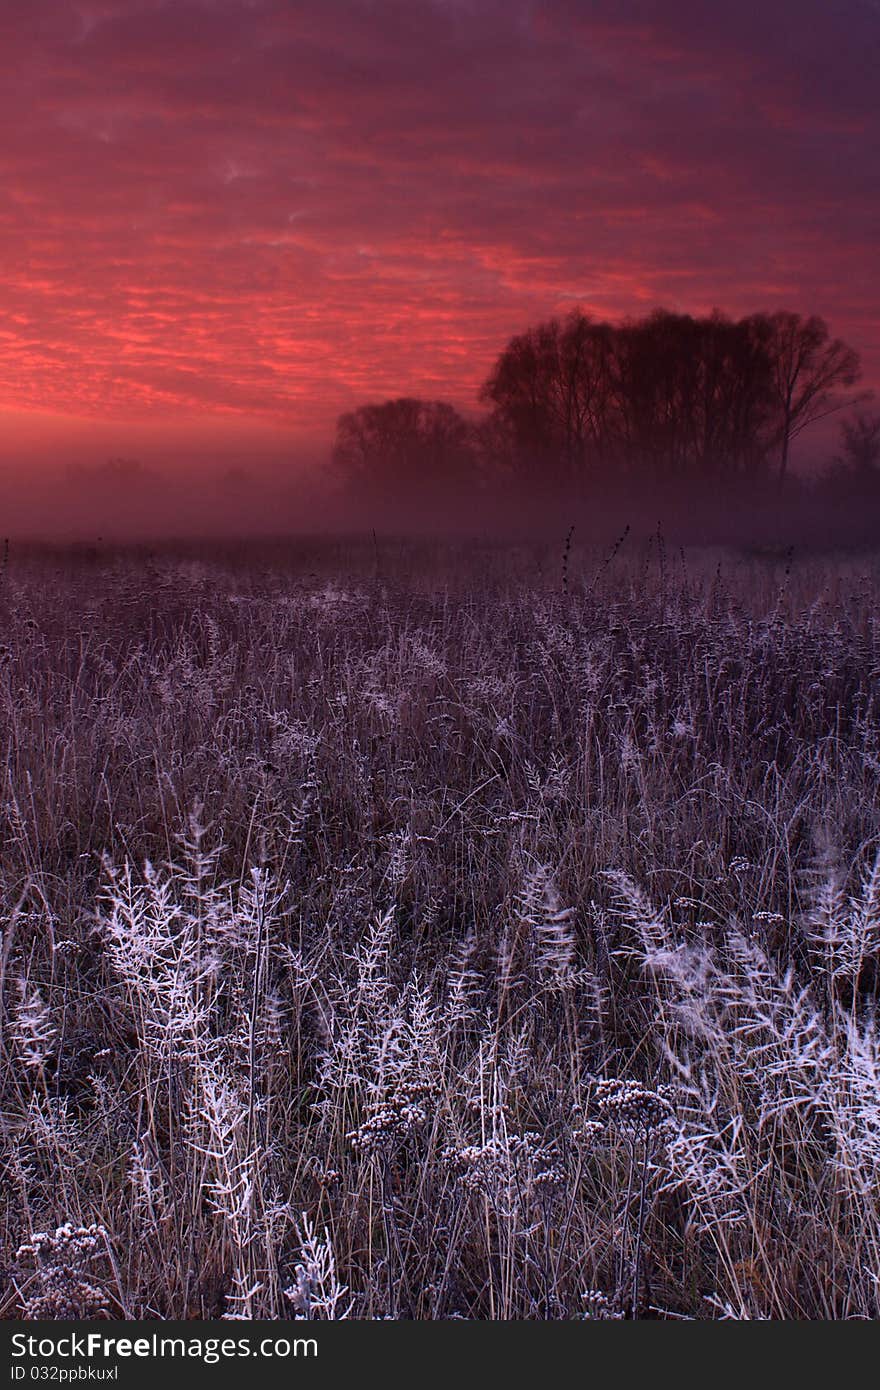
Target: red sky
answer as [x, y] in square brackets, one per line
[228, 220]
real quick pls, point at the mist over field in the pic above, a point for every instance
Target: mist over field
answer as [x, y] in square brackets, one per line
[692, 424]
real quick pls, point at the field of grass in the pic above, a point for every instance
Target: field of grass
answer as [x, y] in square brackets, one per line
[438, 932]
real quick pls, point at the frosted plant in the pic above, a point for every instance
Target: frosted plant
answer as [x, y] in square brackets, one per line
[316, 1292]
[53, 1128]
[60, 1285]
[34, 1031]
[546, 924]
[151, 1201]
[649, 931]
[777, 1032]
[845, 934]
[242, 1300]
[708, 1158]
[160, 956]
[597, 1306]
[850, 1098]
[464, 984]
[686, 976]
[390, 1122]
[511, 1170]
[370, 961]
[634, 1109]
[400, 851]
[385, 1048]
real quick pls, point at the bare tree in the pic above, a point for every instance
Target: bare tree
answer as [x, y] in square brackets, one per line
[860, 445]
[551, 390]
[809, 368]
[669, 401]
[406, 449]
[667, 398]
[693, 398]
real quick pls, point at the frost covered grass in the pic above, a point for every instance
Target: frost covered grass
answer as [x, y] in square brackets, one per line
[427, 934]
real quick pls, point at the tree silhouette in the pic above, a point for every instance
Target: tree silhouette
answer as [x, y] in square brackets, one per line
[670, 398]
[693, 398]
[671, 403]
[809, 367]
[551, 389]
[405, 450]
[860, 445]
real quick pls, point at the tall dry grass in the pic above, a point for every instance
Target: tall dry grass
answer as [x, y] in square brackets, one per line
[431, 934]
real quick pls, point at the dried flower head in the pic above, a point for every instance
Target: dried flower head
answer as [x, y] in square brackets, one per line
[632, 1108]
[598, 1306]
[59, 1286]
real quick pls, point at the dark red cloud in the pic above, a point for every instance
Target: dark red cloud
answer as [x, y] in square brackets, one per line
[276, 210]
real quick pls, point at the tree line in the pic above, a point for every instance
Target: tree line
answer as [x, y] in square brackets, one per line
[582, 405]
